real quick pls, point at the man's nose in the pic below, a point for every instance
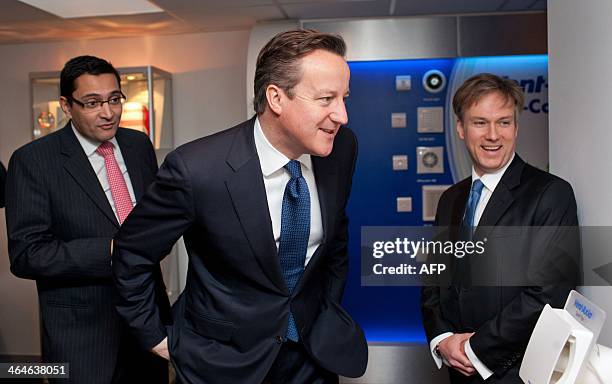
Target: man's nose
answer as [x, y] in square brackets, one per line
[106, 111]
[339, 114]
[492, 133]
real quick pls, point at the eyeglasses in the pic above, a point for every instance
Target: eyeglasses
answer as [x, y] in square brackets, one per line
[95, 105]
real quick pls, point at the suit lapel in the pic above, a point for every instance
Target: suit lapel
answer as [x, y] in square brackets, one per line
[132, 159]
[458, 208]
[327, 190]
[502, 197]
[79, 167]
[248, 194]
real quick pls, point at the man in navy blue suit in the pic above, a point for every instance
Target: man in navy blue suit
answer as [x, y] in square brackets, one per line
[261, 207]
[481, 332]
[66, 198]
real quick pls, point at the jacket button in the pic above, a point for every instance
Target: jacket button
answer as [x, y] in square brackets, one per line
[279, 339]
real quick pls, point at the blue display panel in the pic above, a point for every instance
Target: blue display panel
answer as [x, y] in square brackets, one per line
[381, 93]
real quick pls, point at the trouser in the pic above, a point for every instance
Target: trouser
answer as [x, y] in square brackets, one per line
[293, 365]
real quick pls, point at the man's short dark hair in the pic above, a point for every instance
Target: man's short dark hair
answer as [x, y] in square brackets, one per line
[478, 86]
[81, 65]
[278, 62]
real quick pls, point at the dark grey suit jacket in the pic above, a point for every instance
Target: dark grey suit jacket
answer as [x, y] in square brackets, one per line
[503, 317]
[60, 225]
[230, 319]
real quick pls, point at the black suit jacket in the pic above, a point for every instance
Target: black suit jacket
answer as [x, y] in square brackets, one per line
[230, 319]
[502, 317]
[2, 183]
[60, 225]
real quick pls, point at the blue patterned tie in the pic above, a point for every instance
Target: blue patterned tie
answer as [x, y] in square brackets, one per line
[470, 212]
[295, 230]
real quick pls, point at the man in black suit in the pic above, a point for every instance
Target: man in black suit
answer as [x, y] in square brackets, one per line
[67, 194]
[481, 332]
[2, 183]
[261, 207]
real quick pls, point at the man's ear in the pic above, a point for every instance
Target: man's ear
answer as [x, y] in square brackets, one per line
[516, 127]
[66, 107]
[460, 130]
[275, 96]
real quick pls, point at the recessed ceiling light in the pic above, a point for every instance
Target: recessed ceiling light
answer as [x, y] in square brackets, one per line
[90, 8]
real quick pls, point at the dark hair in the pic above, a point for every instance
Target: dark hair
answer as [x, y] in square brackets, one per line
[478, 86]
[81, 65]
[278, 62]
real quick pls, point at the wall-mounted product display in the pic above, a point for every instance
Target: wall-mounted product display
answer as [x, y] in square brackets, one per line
[434, 81]
[430, 120]
[400, 162]
[398, 120]
[405, 194]
[430, 159]
[403, 83]
[404, 204]
[148, 107]
[431, 196]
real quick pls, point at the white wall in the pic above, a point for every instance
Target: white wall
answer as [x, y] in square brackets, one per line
[580, 60]
[209, 77]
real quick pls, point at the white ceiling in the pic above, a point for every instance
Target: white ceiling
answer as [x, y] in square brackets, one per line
[22, 23]
[85, 8]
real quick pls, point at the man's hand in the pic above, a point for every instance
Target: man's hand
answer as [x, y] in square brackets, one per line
[161, 349]
[452, 350]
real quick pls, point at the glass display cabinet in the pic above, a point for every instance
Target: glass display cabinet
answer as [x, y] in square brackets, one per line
[148, 107]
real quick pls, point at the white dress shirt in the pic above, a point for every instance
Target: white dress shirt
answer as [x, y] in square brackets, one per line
[490, 181]
[276, 178]
[97, 163]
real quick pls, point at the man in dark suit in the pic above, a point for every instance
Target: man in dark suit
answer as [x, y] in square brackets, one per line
[481, 332]
[261, 207]
[2, 183]
[67, 194]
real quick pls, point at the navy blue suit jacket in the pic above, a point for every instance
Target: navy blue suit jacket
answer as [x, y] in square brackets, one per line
[504, 316]
[229, 321]
[60, 226]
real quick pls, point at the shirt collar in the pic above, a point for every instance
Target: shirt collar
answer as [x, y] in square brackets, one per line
[490, 180]
[270, 158]
[89, 145]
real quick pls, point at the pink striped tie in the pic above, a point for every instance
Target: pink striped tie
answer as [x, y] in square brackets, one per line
[119, 190]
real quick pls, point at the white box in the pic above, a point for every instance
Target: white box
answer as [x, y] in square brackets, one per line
[403, 83]
[404, 204]
[431, 195]
[430, 120]
[430, 160]
[398, 120]
[400, 162]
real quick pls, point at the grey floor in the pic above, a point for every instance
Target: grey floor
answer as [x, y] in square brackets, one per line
[400, 363]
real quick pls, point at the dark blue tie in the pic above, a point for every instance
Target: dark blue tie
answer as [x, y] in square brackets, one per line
[295, 230]
[470, 211]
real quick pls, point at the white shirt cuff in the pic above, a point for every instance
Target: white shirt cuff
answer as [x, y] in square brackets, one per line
[482, 369]
[434, 343]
